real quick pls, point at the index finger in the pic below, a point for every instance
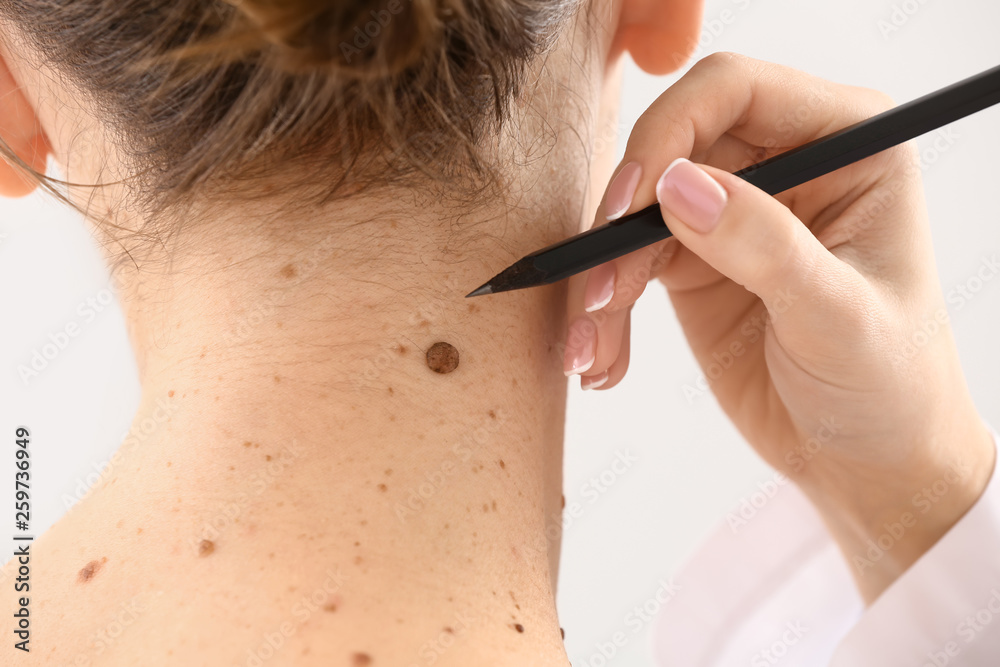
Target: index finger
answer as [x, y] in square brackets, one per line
[765, 106]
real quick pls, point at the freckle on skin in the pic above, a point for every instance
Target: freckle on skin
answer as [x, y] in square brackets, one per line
[383, 488]
[401, 349]
[288, 271]
[267, 457]
[503, 465]
[330, 607]
[486, 508]
[170, 393]
[205, 548]
[391, 392]
[247, 444]
[88, 571]
[361, 660]
[442, 357]
[493, 415]
[388, 471]
[494, 506]
[277, 379]
[449, 631]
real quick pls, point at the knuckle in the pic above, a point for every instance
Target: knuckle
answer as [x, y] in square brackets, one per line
[721, 60]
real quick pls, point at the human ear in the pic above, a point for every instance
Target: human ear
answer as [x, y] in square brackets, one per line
[21, 133]
[659, 34]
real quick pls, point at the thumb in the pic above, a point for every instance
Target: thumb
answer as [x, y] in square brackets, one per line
[744, 233]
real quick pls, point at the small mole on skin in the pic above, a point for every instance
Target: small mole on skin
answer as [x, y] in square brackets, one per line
[401, 349]
[330, 607]
[442, 357]
[267, 457]
[449, 631]
[383, 488]
[361, 660]
[564, 502]
[205, 548]
[391, 392]
[562, 633]
[502, 464]
[88, 571]
[277, 379]
[288, 271]
[493, 415]
[519, 627]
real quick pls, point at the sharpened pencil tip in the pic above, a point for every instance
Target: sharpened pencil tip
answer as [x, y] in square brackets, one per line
[485, 289]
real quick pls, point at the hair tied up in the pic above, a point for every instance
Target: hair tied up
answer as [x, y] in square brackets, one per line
[360, 38]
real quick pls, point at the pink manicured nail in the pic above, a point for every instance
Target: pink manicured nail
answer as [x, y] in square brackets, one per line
[593, 381]
[690, 194]
[600, 287]
[581, 346]
[621, 191]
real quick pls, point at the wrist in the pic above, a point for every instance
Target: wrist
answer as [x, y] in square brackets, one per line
[885, 517]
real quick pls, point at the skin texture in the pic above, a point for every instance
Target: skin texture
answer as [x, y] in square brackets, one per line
[297, 486]
[822, 291]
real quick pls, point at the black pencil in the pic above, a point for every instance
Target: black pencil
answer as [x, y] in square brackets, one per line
[776, 174]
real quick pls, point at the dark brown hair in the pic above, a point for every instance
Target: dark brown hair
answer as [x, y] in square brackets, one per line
[203, 91]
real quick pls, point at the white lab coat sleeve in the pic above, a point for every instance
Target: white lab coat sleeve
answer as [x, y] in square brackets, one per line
[945, 609]
[770, 586]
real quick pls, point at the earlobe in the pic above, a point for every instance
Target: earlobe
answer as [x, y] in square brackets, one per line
[23, 135]
[660, 35]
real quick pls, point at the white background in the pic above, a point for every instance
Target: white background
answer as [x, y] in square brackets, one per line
[691, 466]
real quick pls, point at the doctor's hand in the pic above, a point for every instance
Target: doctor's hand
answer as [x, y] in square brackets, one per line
[817, 315]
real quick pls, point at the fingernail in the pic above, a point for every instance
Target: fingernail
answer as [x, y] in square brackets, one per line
[581, 346]
[693, 196]
[621, 191]
[600, 287]
[593, 381]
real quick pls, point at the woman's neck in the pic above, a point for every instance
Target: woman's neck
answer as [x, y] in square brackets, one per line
[291, 430]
